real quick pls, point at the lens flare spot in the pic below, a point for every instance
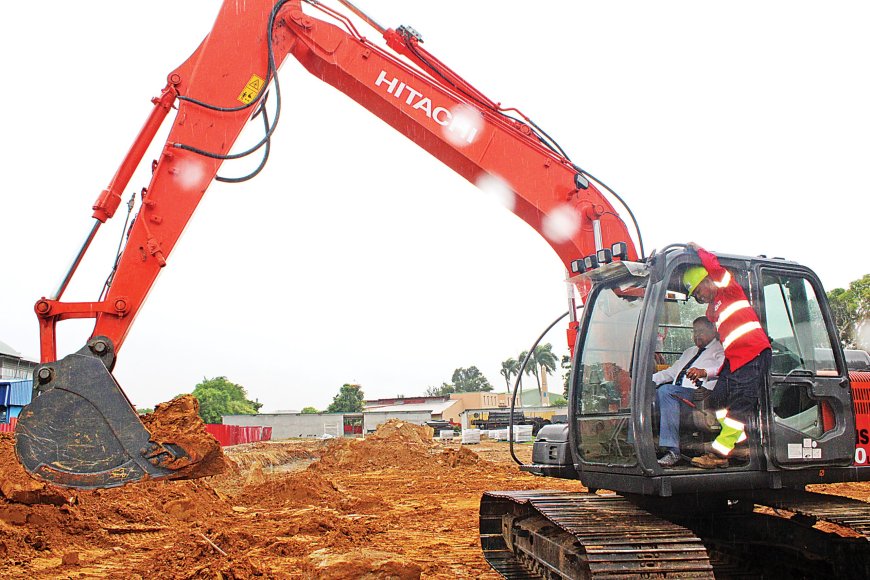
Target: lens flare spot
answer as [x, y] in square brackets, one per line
[190, 174]
[498, 189]
[561, 224]
[463, 126]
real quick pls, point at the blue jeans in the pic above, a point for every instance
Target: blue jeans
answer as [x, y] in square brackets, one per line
[669, 408]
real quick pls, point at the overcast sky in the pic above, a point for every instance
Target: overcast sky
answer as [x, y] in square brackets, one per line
[357, 257]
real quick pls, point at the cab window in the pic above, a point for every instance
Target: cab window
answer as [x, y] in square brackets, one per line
[799, 337]
[674, 330]
[800, 343]
[603, 374]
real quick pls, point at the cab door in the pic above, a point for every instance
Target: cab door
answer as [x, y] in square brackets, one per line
[807, 411]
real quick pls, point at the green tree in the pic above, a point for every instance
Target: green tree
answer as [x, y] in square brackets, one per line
[309, 411]
[350, 399]
[558, 401]
[470, 380]
[443, 390]
[851, 309]
[219, 396]
[509, 369]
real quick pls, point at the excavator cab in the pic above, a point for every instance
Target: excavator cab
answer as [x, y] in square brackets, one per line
[637, 320]
[684, 521]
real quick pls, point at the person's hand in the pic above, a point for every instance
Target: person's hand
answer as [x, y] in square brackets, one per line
[695, 373]
[693, 246]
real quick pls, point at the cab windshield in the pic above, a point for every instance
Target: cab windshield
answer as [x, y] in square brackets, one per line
[603, 375]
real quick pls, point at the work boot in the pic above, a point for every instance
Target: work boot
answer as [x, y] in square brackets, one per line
[710, 461]
[669, 459]
[740, 453]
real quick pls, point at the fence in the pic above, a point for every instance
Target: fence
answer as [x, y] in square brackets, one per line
[225, 434]
[238, 434]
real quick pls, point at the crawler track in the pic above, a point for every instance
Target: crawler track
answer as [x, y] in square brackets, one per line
[798, 544]
[842, 511]
[581, 535]
[556, 535]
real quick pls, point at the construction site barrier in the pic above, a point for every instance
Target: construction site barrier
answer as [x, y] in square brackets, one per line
[237, 434]
[225, 434]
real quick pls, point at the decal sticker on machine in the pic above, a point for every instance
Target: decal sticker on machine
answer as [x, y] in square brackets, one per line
[862, 440]
[808, 449]
[463, 122]
[252, 89]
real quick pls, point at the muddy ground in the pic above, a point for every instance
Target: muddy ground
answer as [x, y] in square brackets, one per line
[395, 505]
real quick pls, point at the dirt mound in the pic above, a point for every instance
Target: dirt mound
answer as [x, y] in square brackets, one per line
[36, 518]
[396, 431]
[177, 422]
[269, 454]
[298, 489]
[395, 444]
[458, 457]
[362, 564]
[17, 486]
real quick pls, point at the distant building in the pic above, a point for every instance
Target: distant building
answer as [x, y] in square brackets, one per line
[436, 409]
[14, 396]
[13, 365]
[416, 410]
[472, 417]
[443, 408]
[403, 401]
[303, 425]
[478, 400]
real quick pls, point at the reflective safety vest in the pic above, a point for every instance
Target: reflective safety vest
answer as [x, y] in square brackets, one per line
[739, 329]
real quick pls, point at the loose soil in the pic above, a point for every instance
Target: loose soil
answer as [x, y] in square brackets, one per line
[394, 505]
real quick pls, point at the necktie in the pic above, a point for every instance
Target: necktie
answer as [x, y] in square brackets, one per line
[679, 380]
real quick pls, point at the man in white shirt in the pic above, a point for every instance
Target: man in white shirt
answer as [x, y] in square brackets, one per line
[698, 367]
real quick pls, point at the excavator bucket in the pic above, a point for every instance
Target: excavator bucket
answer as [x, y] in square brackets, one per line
[81, 431]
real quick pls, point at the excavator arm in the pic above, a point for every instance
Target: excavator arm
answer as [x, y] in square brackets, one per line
[81, 431]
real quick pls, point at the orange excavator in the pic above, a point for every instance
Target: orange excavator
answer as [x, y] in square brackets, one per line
[813, 418]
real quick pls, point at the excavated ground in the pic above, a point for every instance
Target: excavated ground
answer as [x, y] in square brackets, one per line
[395, 505]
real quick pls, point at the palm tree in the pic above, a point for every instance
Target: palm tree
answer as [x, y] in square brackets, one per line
[509, 369]
[545, 360]
[530, 368]
[520, 358]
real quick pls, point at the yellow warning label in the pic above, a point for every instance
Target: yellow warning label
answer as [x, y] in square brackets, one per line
[252, 89]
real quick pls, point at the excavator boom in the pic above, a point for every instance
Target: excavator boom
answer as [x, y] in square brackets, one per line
[81, 431]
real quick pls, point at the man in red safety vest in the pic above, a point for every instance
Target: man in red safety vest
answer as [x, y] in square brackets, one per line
[747, 352]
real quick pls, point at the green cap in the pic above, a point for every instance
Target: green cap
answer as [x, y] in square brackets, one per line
[692, 277]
